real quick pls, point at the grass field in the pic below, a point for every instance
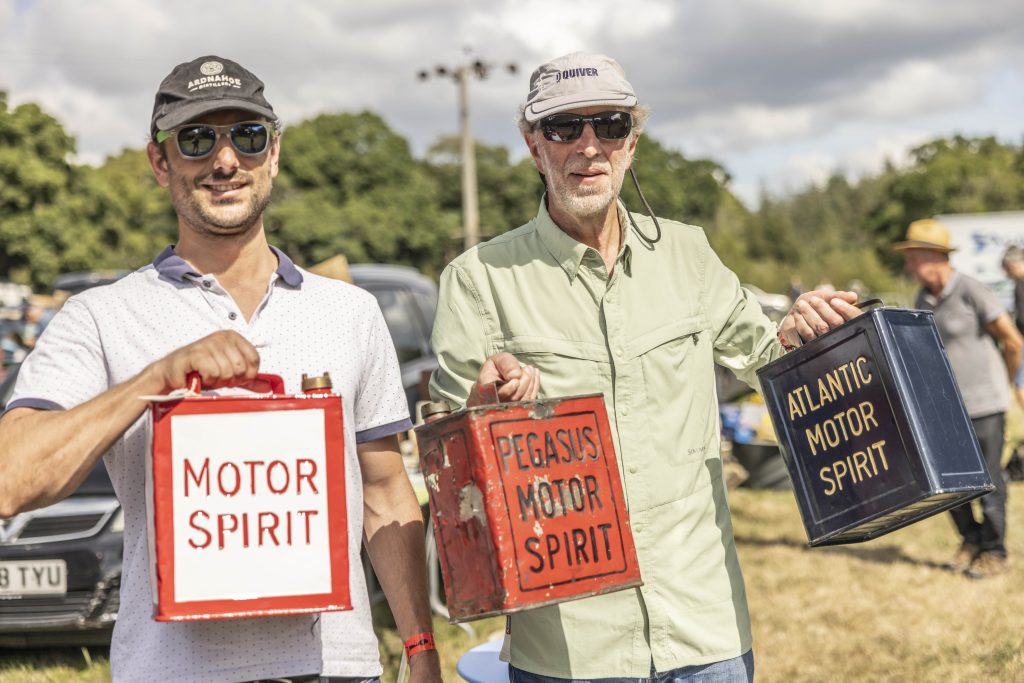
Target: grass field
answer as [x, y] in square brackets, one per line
[885, 610]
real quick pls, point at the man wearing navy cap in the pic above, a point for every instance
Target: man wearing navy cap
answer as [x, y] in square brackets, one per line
[225, 304]
[591, 297]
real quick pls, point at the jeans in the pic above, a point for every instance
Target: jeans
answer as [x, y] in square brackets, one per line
[990, 533]
[736, 670]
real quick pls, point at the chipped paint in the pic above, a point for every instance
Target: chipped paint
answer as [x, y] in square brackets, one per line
[542, 410]
[471, 503]
[527, 504]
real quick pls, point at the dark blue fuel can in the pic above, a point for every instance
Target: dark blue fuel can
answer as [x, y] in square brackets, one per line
[873, 428]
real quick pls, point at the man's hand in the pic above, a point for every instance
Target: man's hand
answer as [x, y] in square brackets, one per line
[515, 381]
[814, 313]
[222, 359]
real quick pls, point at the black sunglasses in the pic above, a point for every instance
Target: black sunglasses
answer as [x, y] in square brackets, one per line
[607, 125]
[198, 140]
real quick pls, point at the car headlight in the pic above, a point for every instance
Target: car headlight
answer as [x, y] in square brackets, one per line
[117, 523]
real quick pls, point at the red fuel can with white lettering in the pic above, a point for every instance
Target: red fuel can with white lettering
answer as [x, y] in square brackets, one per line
[247, 505]
[527, 505]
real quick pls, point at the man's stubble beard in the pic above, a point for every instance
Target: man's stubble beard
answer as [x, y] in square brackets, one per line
[210, 220]
[590, 201]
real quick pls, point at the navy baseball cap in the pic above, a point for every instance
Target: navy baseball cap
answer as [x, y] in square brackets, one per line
[205, 85]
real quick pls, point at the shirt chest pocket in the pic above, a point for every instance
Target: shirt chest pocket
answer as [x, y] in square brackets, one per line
[567, 367]
[674, 343]
[677, 369]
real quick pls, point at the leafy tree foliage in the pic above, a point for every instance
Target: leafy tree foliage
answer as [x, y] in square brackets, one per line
[349, 184]
[948, 175]
[35, 182]
[686, 190]
[509, 193]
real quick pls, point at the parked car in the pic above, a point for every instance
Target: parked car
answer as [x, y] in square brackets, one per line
[73, 283]
[408, 300]
[60, 566]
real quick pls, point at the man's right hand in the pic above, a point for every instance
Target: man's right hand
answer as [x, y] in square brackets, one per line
[222, 359]
[515, 381]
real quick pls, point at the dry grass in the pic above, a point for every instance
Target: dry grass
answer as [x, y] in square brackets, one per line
[885, 610]
[56, 665]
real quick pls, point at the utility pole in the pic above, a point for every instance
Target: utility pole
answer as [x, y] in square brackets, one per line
[461, 74]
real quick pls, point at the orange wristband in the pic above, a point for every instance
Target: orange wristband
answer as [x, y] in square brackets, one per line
[421, 642]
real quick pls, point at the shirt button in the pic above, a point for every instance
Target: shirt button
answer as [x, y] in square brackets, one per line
[618, 352]
[625, 411]
[632, 469]
[207, 284]
[232, 315]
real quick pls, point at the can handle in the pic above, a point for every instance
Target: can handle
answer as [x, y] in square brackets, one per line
[869, 304]
[489, 392]
[195, 383]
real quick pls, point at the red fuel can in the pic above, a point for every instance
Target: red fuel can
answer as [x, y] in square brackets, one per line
[527, 505]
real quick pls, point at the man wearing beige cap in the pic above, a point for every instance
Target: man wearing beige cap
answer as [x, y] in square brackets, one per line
[590, 297]
[971, 321]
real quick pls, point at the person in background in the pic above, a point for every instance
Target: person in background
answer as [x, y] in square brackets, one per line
[1013, 266]
[796, 287]
[223, 303]
[971, 322]
[590, 297]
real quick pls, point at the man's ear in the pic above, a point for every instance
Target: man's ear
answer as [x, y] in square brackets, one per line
[158, 162]
[632, 147]
[532, 145]
[275, 152]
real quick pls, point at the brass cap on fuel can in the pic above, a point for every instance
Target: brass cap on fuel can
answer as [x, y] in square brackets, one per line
[316, 382]
[434, 410]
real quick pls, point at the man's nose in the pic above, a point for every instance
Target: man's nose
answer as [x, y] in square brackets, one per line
[588, 143]
[225, 159]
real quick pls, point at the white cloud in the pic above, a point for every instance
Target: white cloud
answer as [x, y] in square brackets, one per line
[773, 89]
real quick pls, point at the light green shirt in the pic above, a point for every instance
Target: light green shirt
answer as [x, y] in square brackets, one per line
[647, 338]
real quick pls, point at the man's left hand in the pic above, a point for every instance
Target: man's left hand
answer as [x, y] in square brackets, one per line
[814, 313]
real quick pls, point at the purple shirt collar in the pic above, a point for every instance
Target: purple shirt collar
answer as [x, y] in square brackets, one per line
[176, 268]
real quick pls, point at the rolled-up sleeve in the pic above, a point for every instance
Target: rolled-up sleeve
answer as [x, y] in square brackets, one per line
[745, 338]
[458, 339]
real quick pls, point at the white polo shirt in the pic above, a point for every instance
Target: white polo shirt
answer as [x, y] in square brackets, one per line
[305, 324]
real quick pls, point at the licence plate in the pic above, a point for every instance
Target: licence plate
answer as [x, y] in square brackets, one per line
[33, 577]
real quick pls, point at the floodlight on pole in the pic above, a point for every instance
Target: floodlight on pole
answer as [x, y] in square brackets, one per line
[461, 74]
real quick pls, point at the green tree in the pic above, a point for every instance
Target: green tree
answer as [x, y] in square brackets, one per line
[349, 184]
[35, 181]
[947, 175]
[508, 193]
[687, 190]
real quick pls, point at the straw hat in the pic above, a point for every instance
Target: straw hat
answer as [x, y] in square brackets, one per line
[926, 233]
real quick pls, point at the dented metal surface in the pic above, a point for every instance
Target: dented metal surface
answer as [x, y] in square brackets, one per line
[527, 505]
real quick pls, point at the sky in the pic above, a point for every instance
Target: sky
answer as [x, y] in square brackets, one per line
[782, 93]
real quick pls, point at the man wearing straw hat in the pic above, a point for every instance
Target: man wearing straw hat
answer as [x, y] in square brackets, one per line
[971, 321]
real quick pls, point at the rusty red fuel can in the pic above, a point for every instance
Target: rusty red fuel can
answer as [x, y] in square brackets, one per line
[527, 505]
